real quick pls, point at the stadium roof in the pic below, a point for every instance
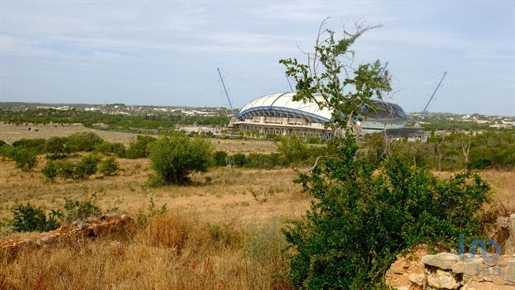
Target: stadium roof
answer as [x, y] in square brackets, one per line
[283, 104]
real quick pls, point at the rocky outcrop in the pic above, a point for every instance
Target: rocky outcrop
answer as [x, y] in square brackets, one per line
[504, 234]
[450, 271]
[420, 270]
[119, 226]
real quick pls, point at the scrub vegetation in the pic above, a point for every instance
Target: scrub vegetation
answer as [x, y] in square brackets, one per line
[243, 214]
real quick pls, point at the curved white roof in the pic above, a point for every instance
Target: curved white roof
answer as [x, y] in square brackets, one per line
[282, 105]
[283, 102]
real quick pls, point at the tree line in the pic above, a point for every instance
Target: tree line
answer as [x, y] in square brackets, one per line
[452, 152]
[118, 122]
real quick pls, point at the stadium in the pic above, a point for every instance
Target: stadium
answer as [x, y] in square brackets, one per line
[278, 114]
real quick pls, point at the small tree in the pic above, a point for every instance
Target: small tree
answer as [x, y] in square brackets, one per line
[220, 158]
[83, 142]
[293, 149]
[56, 146]
[140, 148]
[364, 212]
[174, 157]
[50, 170]
[319, 81]
[86, 167]
[25, 159]
[28, 218]
[109, 166]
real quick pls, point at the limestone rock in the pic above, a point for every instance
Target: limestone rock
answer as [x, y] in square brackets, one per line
[121, 226]
[472, 268]
[442, 280]
[418, 279]
[442, 260]
[509, 275]
[485, 286]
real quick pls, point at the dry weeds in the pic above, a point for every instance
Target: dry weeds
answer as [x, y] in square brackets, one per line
[173, 251]
[223, 232]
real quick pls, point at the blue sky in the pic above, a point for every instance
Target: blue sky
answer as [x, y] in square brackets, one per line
[166, 52]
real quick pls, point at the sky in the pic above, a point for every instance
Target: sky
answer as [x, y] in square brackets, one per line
[166, 53]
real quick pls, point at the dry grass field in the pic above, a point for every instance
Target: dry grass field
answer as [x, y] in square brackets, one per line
[10, 133]
[223, 232]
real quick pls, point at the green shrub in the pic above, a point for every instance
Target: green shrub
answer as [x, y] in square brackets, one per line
[83, 142]
[25, 159]
[56, 146]
[79, 210]
[362, 218]
[109, 166]
[293, 149]
[108, 148]
[262, 161]
[65, 169]
[50, 170]
[7, 151]
[140, 148]
[86, 167]
[174, 157]
[28, 218]
[35, 145]
[237, 160]
[220, 158]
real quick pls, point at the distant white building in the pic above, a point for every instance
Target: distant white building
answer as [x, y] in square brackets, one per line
[279, 114]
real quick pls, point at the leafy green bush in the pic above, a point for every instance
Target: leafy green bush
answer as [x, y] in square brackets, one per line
[78, 210]
[35, 145]
[264, 161]
[67, 169]
[25, 159]
[363, 215]
[293, 149]
[236, 160]
[109, 166]
[7, 151]
[23, 154]
[108, 148]
[140, 148]
[361, 218]
[220, 158]
[56, 146]
[174, 157]
[83, 142]
[86, 167]
[28, 218]
[50, 170]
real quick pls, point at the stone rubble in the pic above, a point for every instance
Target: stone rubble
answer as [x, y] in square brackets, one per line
[419, 270]
[448, 271]
[109, 225]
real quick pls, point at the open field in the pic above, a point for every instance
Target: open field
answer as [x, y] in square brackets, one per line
[222, 232]
[250, 195]
[10, 133]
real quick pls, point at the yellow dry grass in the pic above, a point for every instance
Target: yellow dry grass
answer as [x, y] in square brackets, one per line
[221, 233]
[173, 251]
[10, 133]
